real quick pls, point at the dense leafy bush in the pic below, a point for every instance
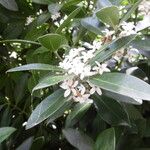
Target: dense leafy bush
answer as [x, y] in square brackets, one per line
[74, 74]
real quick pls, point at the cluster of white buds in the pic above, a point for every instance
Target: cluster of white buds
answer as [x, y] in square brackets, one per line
[144, 7]
[132, 54]
[127, 29]
[76, 63]
[55, 16]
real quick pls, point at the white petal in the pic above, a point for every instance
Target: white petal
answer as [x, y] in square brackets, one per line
[75, 84]
[74, 92]
[99, 91]
[92, 90]
[67, 92]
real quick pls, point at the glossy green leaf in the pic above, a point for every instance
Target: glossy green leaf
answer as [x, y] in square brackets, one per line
[78, 139]
[91, 24]
[109, 15]
[106, 140]
[68, 20]
[77, 113]
[111, 111]
[5, 132]
[103, 4]
[123, 84]
[50, 80]
[122, 98]
[9, 4]
[42, 1]
[40, 50]
[35, 66]
[54, 8]
[107, 50]
[53, 41]
[130, 11]
[49, 107]
[142, 45]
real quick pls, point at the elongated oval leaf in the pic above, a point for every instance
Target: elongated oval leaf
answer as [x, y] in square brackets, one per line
[50, 80]
[142, 45]
[122, 98]
[49, 107]
[123, 84]
[106, 140]
[20, 41]
[79, 110]
[67, 21]
[35, 66]
[78, 139]
[5, 132]
[111, 111]
[9, 4]
[107, 50]
[53, 41]
[92, 24]
[42, 1]
[109, 15]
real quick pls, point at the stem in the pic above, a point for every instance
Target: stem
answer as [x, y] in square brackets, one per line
[56, 53]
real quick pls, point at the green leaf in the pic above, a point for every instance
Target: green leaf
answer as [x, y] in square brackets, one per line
[106, 140]
[50, 80]
[53, 41]
[142, 45]
[40, 50]
[42, 1]
[103, 3]
[91, 24]
[107, 50]
[122, 98]
[19, 41]
[78, 139]
[123, 84]
[68, 20]
[109, 15]
[111, 111]
[9, 4]
[78, 112]
[35, 66]
[26, 145]
[49, 107]
[5, 132]
[130, 11]
[38, 143]
[33, 34]
[54, 8]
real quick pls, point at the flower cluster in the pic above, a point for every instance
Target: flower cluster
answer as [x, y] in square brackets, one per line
[76, 63]
[127, 29]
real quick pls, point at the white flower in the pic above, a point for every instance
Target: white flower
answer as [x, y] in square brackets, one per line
[108, 32]
[127, 29]
[69, 86]
[87, 55]
[82, 98]
[95, 89]
[29, 20]
[100, 68]
[55, 16]
[132, 55]
[144, 7]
